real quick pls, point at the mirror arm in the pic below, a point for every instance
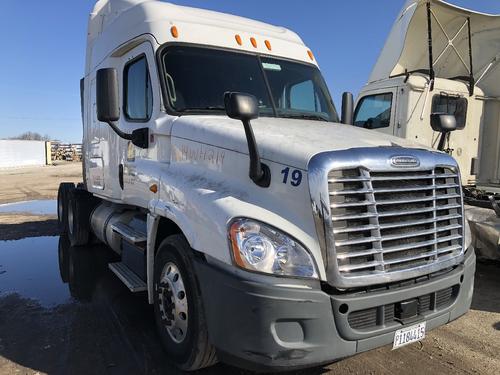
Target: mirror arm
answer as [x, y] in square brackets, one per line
[259, 172]
[119, 132]
[139, 137]
[442, 141]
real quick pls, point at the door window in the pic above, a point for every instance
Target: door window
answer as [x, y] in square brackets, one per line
[374, 111]
[138, 95]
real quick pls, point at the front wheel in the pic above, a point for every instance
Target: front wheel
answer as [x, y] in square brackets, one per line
[178, 308]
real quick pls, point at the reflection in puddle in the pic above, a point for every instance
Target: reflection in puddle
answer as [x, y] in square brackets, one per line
[37, 207]
[38, 268]
[88, 321]
[29, 267]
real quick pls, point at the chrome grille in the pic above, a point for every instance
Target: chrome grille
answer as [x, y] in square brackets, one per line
[384, 222]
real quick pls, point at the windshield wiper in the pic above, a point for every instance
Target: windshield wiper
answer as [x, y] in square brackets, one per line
[304, 116]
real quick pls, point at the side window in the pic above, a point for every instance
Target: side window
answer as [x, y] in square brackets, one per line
[138, 95]
[374, 111]
[452, 105]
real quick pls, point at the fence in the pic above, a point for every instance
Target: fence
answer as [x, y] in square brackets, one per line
[17, 153]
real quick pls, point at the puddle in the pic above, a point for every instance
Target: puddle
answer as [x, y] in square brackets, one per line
[30, 267]
[36, 207]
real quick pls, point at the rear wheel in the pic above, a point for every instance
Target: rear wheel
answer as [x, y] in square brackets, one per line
[80, 207]
[178, 308]
[63, 194]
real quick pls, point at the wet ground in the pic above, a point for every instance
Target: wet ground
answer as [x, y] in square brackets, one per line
[63, 312]
[35, 207]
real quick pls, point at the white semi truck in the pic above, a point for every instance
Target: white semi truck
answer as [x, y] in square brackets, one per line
[265, 233]
[440, 58]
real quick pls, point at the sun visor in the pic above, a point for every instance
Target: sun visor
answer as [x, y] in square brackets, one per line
[425, 28]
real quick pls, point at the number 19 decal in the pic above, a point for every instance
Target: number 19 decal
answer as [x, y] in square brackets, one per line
[296, 176]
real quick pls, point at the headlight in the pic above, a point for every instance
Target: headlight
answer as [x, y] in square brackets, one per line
[262, 248]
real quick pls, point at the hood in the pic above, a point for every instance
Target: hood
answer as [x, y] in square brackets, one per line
[286, 141]
[406, 48]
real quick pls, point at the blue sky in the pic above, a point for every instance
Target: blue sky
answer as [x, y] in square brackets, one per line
[43, 45]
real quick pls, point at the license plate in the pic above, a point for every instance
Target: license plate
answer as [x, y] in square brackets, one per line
[408, 335]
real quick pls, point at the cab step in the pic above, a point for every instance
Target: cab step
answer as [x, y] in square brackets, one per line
[128, 277]
[128, 233]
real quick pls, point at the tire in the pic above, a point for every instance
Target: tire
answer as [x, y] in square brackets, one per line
[177, 295]
[81, 205]
[63, 193]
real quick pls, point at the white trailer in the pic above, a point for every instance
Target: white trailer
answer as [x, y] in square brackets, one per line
[265, 233]
[440, 58]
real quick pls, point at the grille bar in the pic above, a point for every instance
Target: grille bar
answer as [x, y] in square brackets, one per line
[433, 231]
[392, 178]
[394, 220]
[396, 225]
[416, 200]
[410, 246]
[395, 190]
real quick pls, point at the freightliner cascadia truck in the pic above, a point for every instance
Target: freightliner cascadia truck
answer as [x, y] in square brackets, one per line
[266, 233]
[440, 58]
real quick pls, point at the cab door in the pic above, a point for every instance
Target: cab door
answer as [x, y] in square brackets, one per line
[377, 110]
[140, 109]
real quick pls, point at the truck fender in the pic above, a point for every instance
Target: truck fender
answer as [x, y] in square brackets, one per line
[159, 209]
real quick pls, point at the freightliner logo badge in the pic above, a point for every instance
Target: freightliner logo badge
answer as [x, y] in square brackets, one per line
[405, 161]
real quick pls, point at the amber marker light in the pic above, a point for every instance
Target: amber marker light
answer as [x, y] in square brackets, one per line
[154, 188]
[174, 31]
[238, 39]
[311, 56]
[253, 41]
[233, 232]
[268, 44]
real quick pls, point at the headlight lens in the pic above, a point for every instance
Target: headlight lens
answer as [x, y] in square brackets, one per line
[262, 248]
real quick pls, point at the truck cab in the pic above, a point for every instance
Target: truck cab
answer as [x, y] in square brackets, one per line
[265, 233]
[403, 107]
[445, 63]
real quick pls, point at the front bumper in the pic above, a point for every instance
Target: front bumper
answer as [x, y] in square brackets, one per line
[261, 324]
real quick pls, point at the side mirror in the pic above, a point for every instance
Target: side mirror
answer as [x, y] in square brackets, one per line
[442, 122]
[244, 107]
[108, 106]
[347, 116]
[241, 106]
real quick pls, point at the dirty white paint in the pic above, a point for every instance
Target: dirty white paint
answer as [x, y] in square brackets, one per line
[21, 153]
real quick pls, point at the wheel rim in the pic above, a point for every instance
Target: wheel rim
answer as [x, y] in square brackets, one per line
[70, 218]
[173, 302]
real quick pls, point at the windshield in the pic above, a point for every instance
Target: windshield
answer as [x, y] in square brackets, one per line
[197, 79]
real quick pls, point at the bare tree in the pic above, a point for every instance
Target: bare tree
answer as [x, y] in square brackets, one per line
[32, 136]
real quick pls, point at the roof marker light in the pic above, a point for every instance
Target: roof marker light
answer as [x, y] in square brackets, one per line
[174, 32]
[268, 44]
[253, 41]
[238, 39]
[311, 56]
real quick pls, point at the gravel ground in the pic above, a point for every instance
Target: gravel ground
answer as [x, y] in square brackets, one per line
[29, 183]
[101, 328]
